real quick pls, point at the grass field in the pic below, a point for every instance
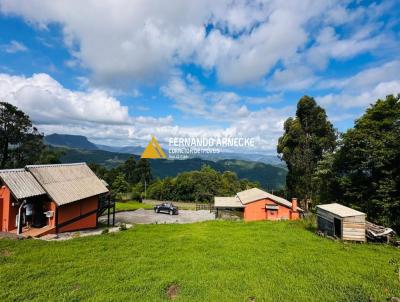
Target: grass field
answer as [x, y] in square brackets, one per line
[211, 261]
[131, 206]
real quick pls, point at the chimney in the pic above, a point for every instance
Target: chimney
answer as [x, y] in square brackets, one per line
[294, 204]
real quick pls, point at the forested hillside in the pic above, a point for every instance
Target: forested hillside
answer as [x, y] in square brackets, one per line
[82, 142]
[269, 177]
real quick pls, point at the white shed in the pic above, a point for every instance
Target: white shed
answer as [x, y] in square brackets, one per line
[343, 222]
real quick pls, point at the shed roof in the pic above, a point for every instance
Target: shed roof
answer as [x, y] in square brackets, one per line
[227, 202]
[67, 183]
[21, 183]
[340, 210]
[255, 194]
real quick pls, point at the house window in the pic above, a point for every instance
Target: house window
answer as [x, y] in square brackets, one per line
[271, 207]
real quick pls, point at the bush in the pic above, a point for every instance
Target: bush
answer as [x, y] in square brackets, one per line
[137, 191]
[123, 196]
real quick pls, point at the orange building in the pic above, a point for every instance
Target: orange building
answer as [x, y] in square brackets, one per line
[255, 204]
[60, 198]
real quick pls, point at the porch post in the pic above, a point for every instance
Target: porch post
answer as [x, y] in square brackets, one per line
[19, 226]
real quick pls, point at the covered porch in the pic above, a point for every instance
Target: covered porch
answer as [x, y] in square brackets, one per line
[26, 209]
[228, 207]
[35, 232]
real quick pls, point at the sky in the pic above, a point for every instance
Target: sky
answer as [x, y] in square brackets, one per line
[121, 71]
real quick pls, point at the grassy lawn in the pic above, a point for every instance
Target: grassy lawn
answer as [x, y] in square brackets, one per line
[131, 206]
[211, 261]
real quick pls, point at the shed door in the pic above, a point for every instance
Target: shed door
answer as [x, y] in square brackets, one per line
[338, 227]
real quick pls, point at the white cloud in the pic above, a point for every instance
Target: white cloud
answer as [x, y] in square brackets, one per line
[366, 78]
[250, 57]
[101, 117]
[330, 45]
[144, 40]
[95, 113]
[361, 99]
[265, 124]
[295, 77]
[187, 96]
[193, 99]
[364, 88]
[14, 46]
[269, 99]
[47, 101]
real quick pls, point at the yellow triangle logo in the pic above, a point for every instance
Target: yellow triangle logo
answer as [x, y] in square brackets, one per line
[153, 150]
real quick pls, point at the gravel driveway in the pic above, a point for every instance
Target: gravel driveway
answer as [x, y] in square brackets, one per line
[142, 216]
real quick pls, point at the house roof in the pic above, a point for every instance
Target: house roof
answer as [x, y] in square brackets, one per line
[66, 183]
[21, 183]
[340, 210]
[255, 194]
[227, 202]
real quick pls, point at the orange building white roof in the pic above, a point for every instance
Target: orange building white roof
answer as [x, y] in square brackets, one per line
[248, 196]
[255, 194]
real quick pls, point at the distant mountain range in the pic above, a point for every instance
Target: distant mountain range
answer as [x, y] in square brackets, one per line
[70, 141]
[80, 149]
[81, 142]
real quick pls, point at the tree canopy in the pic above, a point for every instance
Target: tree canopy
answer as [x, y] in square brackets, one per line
[127, 177]
[198, 186]
[20, 142]
[365, 171]
[306, 138]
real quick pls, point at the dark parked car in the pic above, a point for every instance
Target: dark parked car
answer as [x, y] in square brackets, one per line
[167, 208]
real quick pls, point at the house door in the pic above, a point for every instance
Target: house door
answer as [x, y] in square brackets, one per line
[38, 219]
[338, 227]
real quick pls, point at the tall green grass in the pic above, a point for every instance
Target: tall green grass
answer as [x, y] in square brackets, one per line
[131, 206]
[210, 261]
